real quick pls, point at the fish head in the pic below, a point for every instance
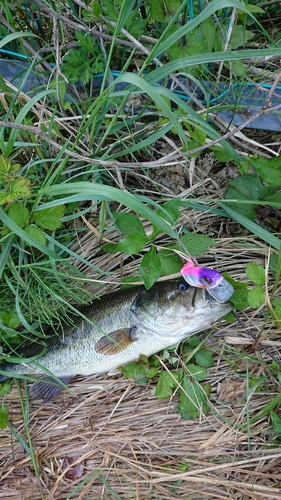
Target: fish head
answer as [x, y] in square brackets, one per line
[176, 309]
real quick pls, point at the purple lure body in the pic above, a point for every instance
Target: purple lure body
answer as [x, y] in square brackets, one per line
[201, 277]
[204, 277]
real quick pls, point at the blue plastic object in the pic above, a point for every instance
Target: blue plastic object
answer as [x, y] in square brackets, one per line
[241, 101]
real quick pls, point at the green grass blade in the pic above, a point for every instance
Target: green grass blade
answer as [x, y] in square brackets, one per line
[161, 104]
[213, 7]
[88, 191]
[13, 36]
[211, 57]
[6, 249]
[253, 227]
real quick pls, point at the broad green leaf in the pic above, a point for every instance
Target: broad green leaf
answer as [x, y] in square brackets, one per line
[209, 30]
[97, 12]
[170, 211]
[253, 8]
[10, 318]
[268, 169]
[36, 233]
[240, 299]
[193, 399]
[256, 296]
[193, 341]
[221, 154]
[128, 223]
[197, 372]
[150, 268]
[275, 197]
[167, 383]
[196, 243]
[4, 412]
[49, 218]
[110, 247]
[46, 250]
[204, 358]
[134, 243]
[243, 167]
[238, 68]
[246, 187]
[277, 306]
[240, 36]
[135, 370]
[230, 318]
[255, 273]
[162, 10]
[152, 372]
[19, 214]
[170, 262]
[5, 388]
[194, 44]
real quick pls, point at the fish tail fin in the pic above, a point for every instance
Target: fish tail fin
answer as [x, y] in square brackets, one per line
[47, 388]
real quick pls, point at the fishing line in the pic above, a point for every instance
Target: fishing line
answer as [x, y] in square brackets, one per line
[256, 339]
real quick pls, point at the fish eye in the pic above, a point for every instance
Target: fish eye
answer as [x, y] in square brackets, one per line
[183, 286]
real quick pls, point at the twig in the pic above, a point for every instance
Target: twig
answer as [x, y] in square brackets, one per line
[78, 26]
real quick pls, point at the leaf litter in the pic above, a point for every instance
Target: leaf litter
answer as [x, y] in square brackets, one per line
[110, 438]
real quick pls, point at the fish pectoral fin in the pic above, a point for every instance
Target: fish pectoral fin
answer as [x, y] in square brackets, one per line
[116, 341]
[47, 388]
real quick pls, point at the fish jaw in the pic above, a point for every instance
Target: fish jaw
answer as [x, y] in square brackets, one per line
[178, 312]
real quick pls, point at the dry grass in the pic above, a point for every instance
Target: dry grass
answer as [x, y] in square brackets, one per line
[114, 440]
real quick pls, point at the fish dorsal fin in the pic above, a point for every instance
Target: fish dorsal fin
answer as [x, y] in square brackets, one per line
[116, 341]
[47, 388]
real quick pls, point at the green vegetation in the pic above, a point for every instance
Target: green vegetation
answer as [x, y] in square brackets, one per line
[101, 118]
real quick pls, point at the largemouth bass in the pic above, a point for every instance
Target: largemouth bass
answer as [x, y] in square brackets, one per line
[121, 326]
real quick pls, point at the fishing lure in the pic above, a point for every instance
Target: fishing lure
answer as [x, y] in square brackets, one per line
[205, 277]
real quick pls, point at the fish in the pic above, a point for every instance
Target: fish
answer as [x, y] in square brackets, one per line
[114, 330]
[205, 277]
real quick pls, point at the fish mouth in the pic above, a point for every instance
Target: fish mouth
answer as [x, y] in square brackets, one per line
[202, 298]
